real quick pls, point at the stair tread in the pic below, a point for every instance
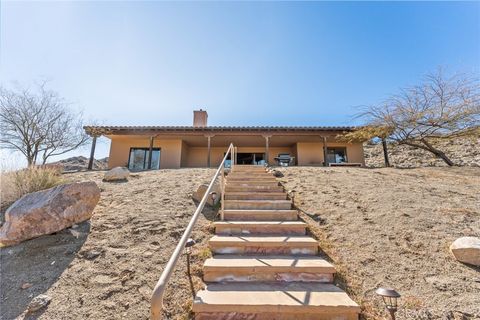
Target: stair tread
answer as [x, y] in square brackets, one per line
[273, 297]
[266, 223]
[260, 211]
[253, 192]
[282, 263]
[260, 201]
[256, 240]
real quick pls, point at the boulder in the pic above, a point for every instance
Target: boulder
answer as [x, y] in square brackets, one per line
[467, 250]
[49, 211]
[198, 195]
[117, 174]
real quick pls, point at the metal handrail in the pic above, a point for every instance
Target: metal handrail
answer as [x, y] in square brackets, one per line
[156, 303]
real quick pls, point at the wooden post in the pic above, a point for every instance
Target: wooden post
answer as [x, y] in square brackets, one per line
[150, 153]
[385, 153]
[92, 153]
[208, 152]
[267, 149]
[325, 163]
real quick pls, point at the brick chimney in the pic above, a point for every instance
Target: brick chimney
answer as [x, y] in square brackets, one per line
[200, 118]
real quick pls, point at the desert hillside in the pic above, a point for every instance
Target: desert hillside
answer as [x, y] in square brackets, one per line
[379, 226]
[80, 163]
[463, 152]
[393, 227]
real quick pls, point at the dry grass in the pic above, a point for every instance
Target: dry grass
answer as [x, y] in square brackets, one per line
[16, 184]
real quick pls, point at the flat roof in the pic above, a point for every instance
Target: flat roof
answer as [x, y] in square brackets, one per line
[178, 129]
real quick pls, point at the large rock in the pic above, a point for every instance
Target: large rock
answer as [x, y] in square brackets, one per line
[49, 211]
[198, 195]
[467, 250]
[117, 174]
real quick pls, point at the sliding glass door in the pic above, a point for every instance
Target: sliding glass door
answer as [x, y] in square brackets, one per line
[336, 155]
[138, 159]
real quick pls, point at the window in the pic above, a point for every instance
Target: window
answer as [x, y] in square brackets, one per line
[336, 155]
[138, 159]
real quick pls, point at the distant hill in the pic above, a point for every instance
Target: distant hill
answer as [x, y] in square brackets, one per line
[463, 152]
[80, 163]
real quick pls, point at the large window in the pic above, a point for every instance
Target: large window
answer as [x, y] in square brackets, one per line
[138, 159]
[336, 155]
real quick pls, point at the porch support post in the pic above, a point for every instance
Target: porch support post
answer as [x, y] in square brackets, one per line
[267, 148]
[150, 153]
[209, 149]
[325, 164]
[92, 153]
[385, 153]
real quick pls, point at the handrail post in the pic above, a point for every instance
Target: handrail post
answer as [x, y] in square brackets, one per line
[222, 190]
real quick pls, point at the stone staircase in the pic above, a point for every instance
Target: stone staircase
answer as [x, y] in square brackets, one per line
[264, 265]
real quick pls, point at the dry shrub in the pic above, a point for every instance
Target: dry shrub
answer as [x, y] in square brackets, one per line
[19, 183]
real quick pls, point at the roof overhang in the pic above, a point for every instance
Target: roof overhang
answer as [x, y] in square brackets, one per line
[220, 130]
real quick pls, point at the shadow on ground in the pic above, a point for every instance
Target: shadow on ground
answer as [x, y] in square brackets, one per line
[38, 262]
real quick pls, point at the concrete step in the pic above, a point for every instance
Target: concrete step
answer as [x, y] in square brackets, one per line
[225, 268]
[247, 183]
[233, 188]
[258, 204]
[281, 301]
[240, 167]
[229, 195]
[260, 215]
[252, 178]
[260, 227]
[263, 245]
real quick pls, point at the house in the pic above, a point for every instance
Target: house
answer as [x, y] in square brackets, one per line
[200, 145]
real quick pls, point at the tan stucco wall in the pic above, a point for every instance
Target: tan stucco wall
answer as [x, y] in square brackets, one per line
[175, 153]
[311, 153]
[170, 151]
[197, 156]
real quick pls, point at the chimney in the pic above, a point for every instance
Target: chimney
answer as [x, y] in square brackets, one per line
[200, 118]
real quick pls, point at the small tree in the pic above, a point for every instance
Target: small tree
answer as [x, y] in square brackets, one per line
[38, 123]
[369, 132]
[440, 108]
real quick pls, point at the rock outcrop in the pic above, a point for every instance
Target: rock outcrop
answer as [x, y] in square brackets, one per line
[462, 151]
[117, 174]
[81, 163]
[467, 250]
[49, 211]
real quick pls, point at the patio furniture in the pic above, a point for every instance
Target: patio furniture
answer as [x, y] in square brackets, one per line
[285, 160]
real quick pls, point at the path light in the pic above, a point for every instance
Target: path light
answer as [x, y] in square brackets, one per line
[389, 297]
[188, 246]
[213, 195]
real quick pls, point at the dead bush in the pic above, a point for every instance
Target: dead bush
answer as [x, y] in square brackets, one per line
[18, 183]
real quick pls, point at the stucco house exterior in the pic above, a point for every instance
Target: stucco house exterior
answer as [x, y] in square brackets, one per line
[200, 145]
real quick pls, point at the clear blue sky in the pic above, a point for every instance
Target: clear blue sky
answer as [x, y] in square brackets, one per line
[152, 63]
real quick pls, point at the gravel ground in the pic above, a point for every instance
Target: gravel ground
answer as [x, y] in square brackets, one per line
[379, 226]
[109, 271]
[393, 227]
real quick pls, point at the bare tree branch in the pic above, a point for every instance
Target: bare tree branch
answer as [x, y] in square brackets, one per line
[38, 122]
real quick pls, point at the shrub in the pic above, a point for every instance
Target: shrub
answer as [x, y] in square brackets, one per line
[18, 183]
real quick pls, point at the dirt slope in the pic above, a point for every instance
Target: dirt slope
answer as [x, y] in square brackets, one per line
[111, 269]
[393, 227]
[380, 226]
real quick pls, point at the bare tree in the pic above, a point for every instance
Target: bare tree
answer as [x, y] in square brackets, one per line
[440, 108]
[38, 123]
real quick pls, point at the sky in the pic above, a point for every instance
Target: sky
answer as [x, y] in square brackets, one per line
[246, 63]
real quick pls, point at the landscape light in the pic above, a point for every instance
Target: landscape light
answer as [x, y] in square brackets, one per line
[188, 246]
[213, 195]
[390, 297]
